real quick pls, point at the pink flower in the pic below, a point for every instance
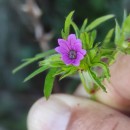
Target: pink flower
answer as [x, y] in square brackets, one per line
[71, 50]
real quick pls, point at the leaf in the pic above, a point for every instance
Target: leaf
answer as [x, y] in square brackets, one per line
[68, 22]
[96, 80]
[127, 51]
[76, 29]
[84, 82]
[46, 53]
[89, 80]
[53, 61]
[24, 65]
[63, 34]
[68, 73]
[93, 35]
[85, 40]
[31, 60]
[125, 15]
[104, 67]
[108, 38]
[126, 26]
[117, 32]
[58, 72]
[83, 26]
[49, 80]
[38, 71]
[98, 21]
[92, 53]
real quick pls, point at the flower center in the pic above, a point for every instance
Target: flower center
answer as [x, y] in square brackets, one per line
[72, 54]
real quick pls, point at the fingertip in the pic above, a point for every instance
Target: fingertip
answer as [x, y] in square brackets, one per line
[51, 114]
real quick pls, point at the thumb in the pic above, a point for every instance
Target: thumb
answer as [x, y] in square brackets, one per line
[64, 112]
[48, 115]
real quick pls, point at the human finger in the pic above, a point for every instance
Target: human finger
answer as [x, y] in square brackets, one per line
[65, 112]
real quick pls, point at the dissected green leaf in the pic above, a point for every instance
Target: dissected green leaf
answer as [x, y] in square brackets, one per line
[122, 34]
[63, 34]
[117, 32]
[24, 65]
[98, 21]
[85, 40]
[68, 73]
[89, 81]
[60, 71]
[104, 68]
[108, 38]
[53, 61]
[125, 15]
[93, 35]
[84, 25]
[84, 82]
[38, 71]
[49, 81]
[127, 51]
[126, 26]
[76, 29]
[46, 53]
[68, 22]
[93, 53]
[31, 60]
[96, 80]
[88, 39]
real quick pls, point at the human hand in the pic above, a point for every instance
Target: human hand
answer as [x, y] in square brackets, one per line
[65, 112]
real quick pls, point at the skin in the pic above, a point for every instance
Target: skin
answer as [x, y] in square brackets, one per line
[77, 112]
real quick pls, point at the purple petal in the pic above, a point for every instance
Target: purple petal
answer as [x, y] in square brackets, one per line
[78, 41]
[77, 46]
[66, 59]
[76, 62]
[79, 56]
[63, 43]
[61, 50]
[83, 52]
[72, 39]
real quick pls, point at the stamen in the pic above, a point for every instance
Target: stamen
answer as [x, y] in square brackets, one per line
[72, 54]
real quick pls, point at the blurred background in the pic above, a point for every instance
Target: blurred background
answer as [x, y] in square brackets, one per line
[28, 27]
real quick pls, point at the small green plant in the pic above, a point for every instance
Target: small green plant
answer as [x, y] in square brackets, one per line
[78, 53]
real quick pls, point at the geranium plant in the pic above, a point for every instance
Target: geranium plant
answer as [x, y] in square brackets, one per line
[78, 53]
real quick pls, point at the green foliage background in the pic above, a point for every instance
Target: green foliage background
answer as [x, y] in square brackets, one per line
[17, 42]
